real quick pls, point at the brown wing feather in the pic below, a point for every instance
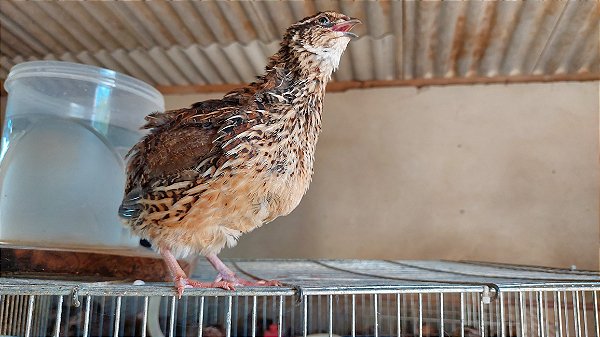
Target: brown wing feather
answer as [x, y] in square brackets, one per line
[171, 149]
[177, 139]
[171, 146]
[180, 146]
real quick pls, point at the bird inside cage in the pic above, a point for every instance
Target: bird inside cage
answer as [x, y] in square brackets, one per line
[469, 331]
[213, 331]
[207, 174]
[429, 330]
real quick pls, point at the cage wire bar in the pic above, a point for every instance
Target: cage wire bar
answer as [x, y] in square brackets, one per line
[319, 298]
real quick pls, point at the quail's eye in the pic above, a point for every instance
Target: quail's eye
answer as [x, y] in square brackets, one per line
[323, 20]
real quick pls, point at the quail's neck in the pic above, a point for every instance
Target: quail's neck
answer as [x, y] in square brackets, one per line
[313, 68]
[302, 65]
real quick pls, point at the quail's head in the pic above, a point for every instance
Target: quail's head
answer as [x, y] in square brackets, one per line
[324, 36]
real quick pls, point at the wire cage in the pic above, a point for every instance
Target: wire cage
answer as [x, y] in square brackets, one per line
[320, 297]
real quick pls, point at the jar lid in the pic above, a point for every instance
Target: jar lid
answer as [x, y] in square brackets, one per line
[77, 71]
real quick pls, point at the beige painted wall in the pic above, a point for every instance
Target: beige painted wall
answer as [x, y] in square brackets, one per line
[505, 173]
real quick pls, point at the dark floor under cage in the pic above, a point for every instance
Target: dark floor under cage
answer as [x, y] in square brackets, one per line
[320, 297]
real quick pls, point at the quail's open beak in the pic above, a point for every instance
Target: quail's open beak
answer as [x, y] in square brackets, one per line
[346, 26]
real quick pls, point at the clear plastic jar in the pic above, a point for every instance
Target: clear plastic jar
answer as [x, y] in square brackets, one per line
[67, 129]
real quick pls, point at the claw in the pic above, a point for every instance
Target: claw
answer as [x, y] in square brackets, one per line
[180, 284]
[225, 285]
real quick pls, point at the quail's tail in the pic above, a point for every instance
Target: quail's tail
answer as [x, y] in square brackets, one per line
[130, 206]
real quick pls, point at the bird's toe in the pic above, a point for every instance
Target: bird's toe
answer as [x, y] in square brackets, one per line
[269, 283]
[224, 285]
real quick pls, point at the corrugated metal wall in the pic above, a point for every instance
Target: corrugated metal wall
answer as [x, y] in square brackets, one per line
[214, 42]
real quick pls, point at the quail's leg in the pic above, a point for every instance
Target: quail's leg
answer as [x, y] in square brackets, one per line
[182, 281]
[225, 274]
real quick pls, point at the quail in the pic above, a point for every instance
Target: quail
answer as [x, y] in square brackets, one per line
[205, 175]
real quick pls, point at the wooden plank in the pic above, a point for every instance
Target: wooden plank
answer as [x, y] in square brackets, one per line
[85, 266]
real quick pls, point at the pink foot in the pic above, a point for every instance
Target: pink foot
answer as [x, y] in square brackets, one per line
[268, 283]
[183, 282]
[226, 274]
[238, 281]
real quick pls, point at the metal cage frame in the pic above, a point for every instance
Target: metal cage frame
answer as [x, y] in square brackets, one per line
[329, 297]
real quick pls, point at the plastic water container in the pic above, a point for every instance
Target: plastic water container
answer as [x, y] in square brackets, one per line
[67, 129]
